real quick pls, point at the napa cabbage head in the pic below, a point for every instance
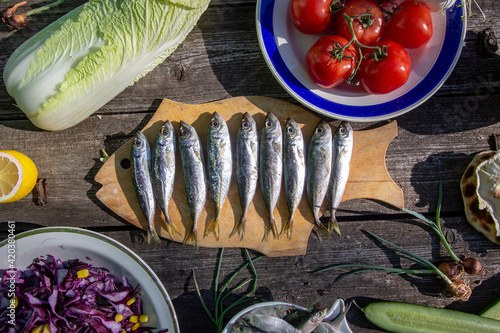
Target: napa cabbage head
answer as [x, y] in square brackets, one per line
[77, 64]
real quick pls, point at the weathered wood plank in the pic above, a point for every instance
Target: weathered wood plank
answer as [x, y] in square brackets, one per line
[221, 59]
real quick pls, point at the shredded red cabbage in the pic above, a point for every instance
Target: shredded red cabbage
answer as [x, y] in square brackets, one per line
[50, 292]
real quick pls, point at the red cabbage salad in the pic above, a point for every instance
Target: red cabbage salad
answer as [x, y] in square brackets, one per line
[71, 296]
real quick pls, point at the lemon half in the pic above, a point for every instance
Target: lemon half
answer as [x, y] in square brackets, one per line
[18, 175]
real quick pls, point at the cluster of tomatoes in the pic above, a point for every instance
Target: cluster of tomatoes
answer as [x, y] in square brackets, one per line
[364, 41]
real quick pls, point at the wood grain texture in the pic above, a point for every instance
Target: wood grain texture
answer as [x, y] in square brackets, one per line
[368, 176]
[220, 59]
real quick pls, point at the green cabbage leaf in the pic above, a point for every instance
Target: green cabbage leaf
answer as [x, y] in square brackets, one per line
[78, 63]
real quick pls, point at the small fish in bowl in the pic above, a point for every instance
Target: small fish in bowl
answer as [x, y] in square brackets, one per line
[270, 317]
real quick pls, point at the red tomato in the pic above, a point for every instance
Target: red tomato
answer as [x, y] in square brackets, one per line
[410, 25]
[327, 69]
[386, 74]
[367, 32]
[310, 16]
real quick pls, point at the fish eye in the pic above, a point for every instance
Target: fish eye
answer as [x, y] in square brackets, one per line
[289, 129]
[268, 123]
[215, 123]
[342, 130]
[137, 143]
[183, 131]
[319, 130]
[245, 124]
[164, 131]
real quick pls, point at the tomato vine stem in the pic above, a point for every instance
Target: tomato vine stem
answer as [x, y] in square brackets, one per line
[378, 53]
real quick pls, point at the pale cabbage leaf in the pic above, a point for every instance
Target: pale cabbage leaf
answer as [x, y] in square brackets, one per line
[83, 60]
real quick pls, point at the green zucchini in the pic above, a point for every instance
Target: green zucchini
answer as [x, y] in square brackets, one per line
[412, 318]
[492, 311]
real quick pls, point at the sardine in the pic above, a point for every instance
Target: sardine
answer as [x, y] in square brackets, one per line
[341, 161]
[294, 169]
[141, 176]
[312, 321]
[163, 171]
[281, 310]
[239, 328]
[194, 175]
[334, 325]
[325, 327]
[247, 173]
[269, 324]
[319, 165]
[219, 168]
[271, 168]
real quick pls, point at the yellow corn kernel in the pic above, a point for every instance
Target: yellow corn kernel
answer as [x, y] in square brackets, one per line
[136, 326]
[144, 318]
[46, 328]
[83, 273]
[133, 319]
[38, 329]
[131, 301]
[118, 317]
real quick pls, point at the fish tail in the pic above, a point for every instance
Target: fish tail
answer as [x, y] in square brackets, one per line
[286, 229]
[270, 225]
[169, 226]
[213, 226]
[153, 235]
[321, 229]
[239, 227]
[333, 225]
[191, 237]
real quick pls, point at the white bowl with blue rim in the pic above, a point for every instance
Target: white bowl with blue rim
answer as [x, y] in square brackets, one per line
[284, 49]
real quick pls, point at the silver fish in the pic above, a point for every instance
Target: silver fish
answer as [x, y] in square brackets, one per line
[280, 310]
[269, 324]
[194, 175]
[325, 327]
[245, 329]
[312, 321]
[247, 169]
[319, 166]
[294, 167]
[163, 171]
[334, 325]
[341, 161]
[219, 167]
[141, 176]
[271, 168]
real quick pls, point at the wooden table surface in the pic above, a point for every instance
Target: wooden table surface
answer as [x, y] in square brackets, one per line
[219, 59]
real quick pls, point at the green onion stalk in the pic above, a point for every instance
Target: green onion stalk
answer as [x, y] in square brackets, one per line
[456, 287]
[469, 265]
[222, 293]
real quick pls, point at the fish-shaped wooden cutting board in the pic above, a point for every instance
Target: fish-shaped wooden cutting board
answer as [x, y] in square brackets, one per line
[368, 176]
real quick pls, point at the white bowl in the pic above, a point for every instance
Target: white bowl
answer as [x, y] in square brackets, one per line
[284, 49]
[332, 313]
[67, 243]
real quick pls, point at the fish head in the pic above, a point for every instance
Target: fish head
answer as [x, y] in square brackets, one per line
[140, 144]
[323, 131]
[292, 129]
[247, 123]
[187, 133]
[272, 124]
[344, 134]
[217, 125]
[166, 135]
[345, 129]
